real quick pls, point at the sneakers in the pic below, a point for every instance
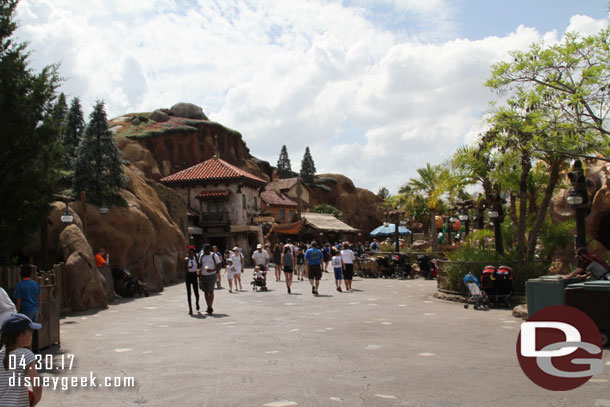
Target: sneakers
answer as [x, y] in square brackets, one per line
[190, 312]
[339, 289]
[288, 290]
[313, 290]
[210, 310]
[231, 291]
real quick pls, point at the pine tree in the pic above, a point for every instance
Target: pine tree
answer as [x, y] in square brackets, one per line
[308, 168]
[30, 151]
[283, 164]
[98, 169]
[72, 133]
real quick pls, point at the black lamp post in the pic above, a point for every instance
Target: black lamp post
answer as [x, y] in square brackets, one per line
[496, 214]
[579, 200]
[464, 218]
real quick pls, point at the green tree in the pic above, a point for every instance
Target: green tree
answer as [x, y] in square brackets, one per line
[98, 170]
[433, 182]
[308, 168]
[30, 152]
[326, 208]
[283, 164]
[383, 192]
[73, 133]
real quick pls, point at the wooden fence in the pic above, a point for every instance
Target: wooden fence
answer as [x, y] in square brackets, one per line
[53, 298]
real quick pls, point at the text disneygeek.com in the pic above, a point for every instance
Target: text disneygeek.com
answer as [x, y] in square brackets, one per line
[68, 382]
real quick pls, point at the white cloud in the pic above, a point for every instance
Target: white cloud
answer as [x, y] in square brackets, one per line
[372, 103]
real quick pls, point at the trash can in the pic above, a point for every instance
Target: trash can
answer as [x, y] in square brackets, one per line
[543, 292]
[592, 298]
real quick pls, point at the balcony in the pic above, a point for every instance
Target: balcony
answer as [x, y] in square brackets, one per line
[214, 219]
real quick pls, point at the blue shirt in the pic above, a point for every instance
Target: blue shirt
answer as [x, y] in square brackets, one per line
[313, 256]
[27, 291]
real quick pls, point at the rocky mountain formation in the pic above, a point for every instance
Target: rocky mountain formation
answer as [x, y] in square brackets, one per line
[169, 140]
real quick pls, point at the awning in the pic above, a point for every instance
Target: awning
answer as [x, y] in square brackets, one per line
[194, 230]
[287, 228]
[246, 228]
[326, 222]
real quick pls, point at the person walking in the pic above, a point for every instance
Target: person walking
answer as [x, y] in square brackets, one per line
[288, 265]
[218, 255]
[207, 278]
[326, 255]
[260, 257]
[191, 268]
[230, 273]
[338, 266]
[27, 295]
[238, 266]
[277, 261]
[313, 264]
[348, 258]
[300, 262]
[16, 338]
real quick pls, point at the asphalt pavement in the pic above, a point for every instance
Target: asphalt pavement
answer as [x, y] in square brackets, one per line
[387, 343]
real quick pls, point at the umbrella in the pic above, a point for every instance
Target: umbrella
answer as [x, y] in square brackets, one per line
[390, 230]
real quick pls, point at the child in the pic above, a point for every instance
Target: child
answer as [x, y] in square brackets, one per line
[258, 273]
[300, 263]
[16, 337]
[337, 261]
[230, 273]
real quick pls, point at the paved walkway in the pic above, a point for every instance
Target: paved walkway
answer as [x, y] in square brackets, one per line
[390, 343]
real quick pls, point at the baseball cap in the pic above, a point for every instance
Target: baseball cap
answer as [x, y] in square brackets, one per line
[235, 248]
[259, 246]
[229, 260]
[17, 323]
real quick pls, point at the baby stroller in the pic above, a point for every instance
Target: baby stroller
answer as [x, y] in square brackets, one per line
[476, 296]
[425, 266]
[384, 267]
[259, 280]
[401, 265]
[126, 284]
[498, 284]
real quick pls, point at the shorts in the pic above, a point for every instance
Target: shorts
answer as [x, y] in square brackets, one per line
[348, 273]
[315, 272]
[288, 269]
[207, 283]
[338, 273]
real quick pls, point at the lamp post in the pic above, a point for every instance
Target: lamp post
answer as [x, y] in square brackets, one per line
[464, 218]
[497, 216]
[579, 200]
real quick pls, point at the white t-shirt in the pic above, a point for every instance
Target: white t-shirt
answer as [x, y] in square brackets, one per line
[236, 262]
[15, 395]
[191, 264]
[348, 256]
[6, 306]
[209, 260]
[260, 257]
[230, 271]
[336, 262]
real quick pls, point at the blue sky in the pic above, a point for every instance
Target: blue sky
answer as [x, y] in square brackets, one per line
[376, 89]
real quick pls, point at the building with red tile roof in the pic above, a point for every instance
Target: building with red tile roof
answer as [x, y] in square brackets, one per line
[224, 199]
[284, 198]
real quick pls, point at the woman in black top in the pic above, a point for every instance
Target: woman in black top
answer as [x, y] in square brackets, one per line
[277, 261]
[287, 263]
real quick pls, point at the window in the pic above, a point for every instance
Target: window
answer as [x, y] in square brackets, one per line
[282, 214]
[243, 201]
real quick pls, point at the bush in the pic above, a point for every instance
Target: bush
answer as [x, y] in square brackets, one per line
[474, 259]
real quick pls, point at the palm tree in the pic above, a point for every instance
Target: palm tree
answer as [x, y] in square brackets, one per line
[434, 181]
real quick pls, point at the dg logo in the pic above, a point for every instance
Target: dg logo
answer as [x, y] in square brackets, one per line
[560, 348]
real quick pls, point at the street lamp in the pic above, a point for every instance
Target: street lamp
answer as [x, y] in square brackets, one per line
[67, 217]
[579, 200]
[464, 218]
[104, 209]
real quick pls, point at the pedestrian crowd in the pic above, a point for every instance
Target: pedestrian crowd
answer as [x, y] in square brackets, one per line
[301, 261]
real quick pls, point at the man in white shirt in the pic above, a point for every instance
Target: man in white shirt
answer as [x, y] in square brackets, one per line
[260, 257]
[348, 257]
[209, 267]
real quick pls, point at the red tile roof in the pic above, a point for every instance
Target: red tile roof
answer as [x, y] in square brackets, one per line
[273, 198]
[211, 195]
[212, 170]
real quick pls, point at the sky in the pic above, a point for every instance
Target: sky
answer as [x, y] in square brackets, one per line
[375, 88]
